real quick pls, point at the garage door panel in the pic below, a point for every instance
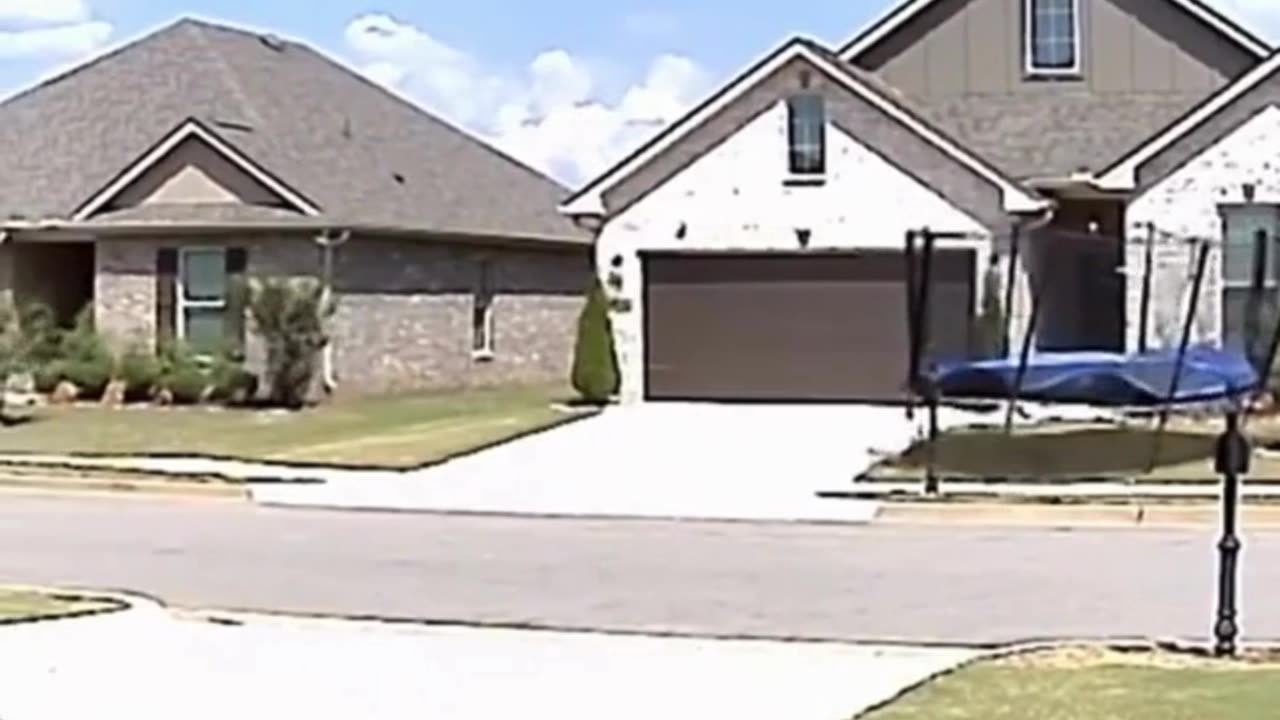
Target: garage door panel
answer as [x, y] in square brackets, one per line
[790, 327]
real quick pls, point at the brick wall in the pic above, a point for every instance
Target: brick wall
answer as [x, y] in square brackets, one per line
[404, 306]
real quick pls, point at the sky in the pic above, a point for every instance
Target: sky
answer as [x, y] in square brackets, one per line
[566, 86]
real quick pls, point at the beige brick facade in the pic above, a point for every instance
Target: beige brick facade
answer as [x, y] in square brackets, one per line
[404, 317]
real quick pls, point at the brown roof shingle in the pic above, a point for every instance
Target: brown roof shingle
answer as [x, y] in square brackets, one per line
[363, 155]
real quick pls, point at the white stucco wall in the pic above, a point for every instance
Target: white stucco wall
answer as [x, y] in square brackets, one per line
[734, 198]
[1184, 205]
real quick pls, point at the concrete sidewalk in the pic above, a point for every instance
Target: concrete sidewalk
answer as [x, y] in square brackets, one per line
[146, 664]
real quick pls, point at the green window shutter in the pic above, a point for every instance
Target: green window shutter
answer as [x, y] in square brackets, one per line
[166, 295]
[237, 298]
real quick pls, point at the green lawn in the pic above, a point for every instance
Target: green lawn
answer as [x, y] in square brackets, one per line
[397, 431]
[26, 605]
[1072, 451]
[1089, 685]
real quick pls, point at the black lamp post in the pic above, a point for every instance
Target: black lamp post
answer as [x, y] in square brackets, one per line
[1231, 461]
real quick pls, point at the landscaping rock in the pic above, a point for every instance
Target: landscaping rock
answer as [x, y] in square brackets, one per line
[23, 382]
[164, 397]
[113, 395]
[64, 393]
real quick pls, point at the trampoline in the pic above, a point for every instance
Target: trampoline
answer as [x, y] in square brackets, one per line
[1152, 380]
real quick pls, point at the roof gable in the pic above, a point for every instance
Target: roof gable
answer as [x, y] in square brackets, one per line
[906, 11]
[590, 200]
[1123, 175]
[192, 130]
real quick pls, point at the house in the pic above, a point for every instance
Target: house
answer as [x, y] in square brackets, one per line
[754, 249]
[148, 179]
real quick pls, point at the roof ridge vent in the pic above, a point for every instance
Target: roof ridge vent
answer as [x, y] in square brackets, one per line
[272, 41]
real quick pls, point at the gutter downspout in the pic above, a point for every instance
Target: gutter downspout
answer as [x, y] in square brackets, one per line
[327, 245]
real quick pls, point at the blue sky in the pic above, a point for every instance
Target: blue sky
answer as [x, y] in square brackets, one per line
[566, 85]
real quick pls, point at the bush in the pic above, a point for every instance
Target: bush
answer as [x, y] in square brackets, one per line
[90, 375]
[181, 373]
[290, 315]
[231, 383]
[187, 385]
[595, 365]
[86, 360]
[140, 371]
[48, 376]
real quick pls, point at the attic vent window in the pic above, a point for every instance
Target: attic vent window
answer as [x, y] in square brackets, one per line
[1053, 36]
[273, 41]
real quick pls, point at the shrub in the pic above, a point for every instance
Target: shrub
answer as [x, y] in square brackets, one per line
[48, 376]
[90, 375]
[231, 383]
[290, 315]
[41, 336]
[86, 359]
[140, 371]
[181, 372]
[595, 365]
[186, 384]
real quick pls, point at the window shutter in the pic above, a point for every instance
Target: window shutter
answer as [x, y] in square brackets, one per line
[237, 300]
[166, 295]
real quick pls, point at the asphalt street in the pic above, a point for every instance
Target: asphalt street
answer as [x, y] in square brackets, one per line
[934, 584]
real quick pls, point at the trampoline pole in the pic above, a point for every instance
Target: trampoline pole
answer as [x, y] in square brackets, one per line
[1024, 354]
[1253, 308]
[1231, 461]
[931, 484]
[912, 330]
[922, 306]
[1144, 312]
[1011, 279]
[1193, 305]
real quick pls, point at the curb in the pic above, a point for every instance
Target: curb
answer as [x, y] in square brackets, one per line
[1133, 515]
[110, 602]
[139, 488]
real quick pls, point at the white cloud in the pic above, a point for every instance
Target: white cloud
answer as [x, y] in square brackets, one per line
[49, 29]
[44, 12]
[553, 115]
[62, 41]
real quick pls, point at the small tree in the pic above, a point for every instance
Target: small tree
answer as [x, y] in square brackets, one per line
[291, 316]
[595, 365]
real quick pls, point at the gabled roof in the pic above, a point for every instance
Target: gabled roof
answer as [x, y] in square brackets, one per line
[905, 11]
[190, 129]
[1123, 175]
[590, 201]
[354, 152]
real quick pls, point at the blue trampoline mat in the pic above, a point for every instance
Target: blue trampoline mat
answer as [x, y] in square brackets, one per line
[1100, 378]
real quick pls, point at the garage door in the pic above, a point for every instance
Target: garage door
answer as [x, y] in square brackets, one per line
[792, 327]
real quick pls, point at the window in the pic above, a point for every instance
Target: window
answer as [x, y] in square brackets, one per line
[1053, 36]
[202, 298]
[482, 312]
[806, 135]
[1249, 246]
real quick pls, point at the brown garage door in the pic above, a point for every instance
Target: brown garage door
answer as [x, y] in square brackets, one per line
[792, 327]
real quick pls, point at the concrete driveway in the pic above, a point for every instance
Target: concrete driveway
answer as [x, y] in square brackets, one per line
[697, 461]
[145, 664]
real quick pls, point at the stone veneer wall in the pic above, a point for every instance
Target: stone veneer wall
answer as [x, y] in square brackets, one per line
[404, 307]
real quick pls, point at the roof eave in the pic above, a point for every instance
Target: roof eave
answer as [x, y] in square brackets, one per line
[55, 226]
